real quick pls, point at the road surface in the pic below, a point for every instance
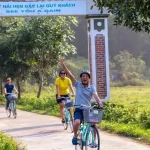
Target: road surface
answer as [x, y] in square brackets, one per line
[41, 132]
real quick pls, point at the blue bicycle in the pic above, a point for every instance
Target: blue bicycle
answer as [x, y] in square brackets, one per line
[12, 105]
[68, 104]
[88, 133]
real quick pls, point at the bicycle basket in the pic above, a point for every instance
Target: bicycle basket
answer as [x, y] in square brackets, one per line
[12, 97]
[68, 103]
[92, 115]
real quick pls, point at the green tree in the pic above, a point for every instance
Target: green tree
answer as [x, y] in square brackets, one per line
[4, 55]
[10, 64]
[129, 66]
[18, 70]
[134, 14]
[42, 40]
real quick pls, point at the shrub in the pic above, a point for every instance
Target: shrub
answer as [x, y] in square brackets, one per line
[47, 104]
[127, 130]
[132, 82]
[2, 98]
[7, 143]
[115, 112]
[144, 119]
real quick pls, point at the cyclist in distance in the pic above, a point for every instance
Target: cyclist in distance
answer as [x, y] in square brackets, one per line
[63, 84]
[8, 88]
[84, 94]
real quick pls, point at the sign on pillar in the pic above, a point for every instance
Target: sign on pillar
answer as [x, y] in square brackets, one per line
[98, 55]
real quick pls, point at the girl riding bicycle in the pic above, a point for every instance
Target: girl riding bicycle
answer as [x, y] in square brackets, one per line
[63, 84]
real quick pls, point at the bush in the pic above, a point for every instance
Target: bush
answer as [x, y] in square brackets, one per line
[132, 82]
[144, 119]
[127, 130]
[135, 82]
[2, 98]
[115, 112]
[119, 113]
[47, 104]
[7, 143]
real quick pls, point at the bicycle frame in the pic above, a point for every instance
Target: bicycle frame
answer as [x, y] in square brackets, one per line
[87, 133]
[12, 105]
[66, 111]
[84, 130]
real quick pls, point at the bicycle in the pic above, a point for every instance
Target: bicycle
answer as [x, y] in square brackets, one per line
[67, 111]
[88, 133]
[12, 105]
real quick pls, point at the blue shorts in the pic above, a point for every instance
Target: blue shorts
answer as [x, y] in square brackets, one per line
[78, 114]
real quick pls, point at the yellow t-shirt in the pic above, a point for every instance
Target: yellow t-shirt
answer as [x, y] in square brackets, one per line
[63, 85]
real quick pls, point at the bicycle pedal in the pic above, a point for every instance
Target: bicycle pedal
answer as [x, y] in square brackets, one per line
[78, 141]
[93, 145]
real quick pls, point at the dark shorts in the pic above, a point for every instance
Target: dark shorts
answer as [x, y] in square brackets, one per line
[78, 114]
[60, 100]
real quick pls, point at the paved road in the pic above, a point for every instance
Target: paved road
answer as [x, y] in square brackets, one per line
[41, 132]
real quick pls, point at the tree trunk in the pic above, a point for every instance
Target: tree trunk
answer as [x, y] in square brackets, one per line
[19, 89]
[1, 82]
[40, 84]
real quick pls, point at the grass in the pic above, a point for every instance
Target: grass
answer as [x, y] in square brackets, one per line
[8, 143]
[132, 96]
[128, 130]
[127, 112]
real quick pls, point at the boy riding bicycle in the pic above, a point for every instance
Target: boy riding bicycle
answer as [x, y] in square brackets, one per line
[84, 94]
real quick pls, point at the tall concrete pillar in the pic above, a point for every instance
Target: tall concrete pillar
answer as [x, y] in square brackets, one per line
[98, 54]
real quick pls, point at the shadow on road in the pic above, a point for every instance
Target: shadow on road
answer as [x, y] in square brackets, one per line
[39, 134]
[4, 118]
[32, 127]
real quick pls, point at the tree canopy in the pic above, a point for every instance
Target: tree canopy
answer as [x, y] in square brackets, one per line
[29, 45]
[134, 14]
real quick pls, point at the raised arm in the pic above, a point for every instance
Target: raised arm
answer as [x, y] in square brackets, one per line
[73, 79]
[96, 97]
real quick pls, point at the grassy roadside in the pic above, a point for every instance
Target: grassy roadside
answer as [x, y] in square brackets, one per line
[127, 113]
[8, 143]
[128, 130]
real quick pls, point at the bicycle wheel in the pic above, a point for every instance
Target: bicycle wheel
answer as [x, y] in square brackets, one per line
[14, 113]
[15, 110]
[66, 119]
[8, 112]
[79, 146]
[70, 121]
[93, 139]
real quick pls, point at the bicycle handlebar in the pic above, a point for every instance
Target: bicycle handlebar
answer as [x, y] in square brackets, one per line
[10, 93]
[87, 107]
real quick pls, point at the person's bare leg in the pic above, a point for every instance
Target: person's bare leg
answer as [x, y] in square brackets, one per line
[76, 126]
[62, 111]
[70, 110]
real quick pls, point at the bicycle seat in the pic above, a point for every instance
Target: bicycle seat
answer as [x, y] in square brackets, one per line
[69, 103]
